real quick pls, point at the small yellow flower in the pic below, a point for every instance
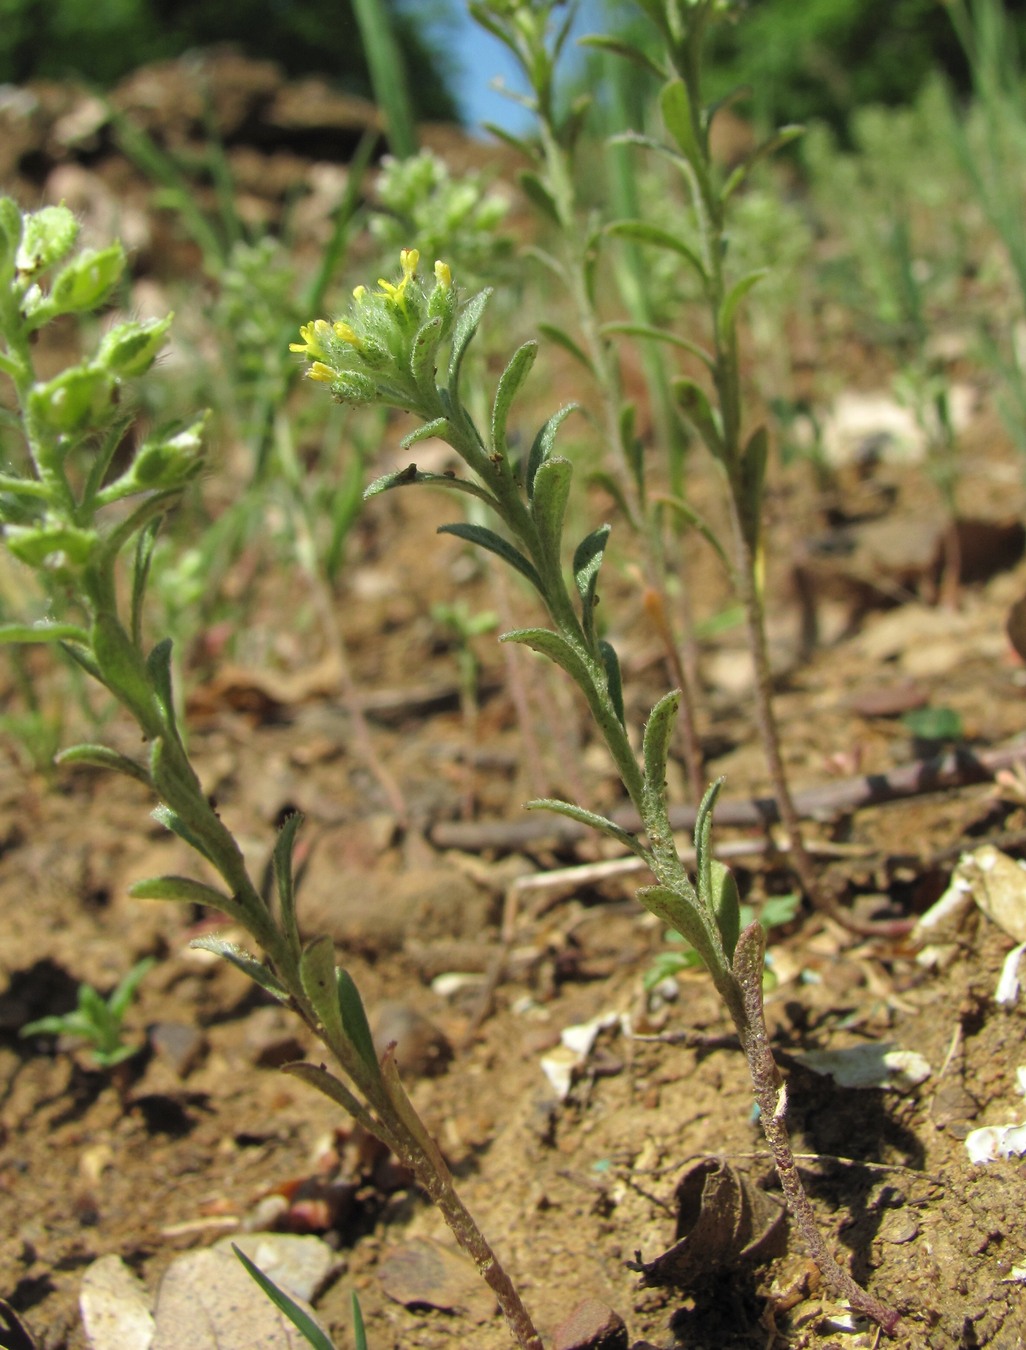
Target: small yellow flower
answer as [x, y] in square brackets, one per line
[347, 333]
[358, 293]
[408, 260]
[443, 275]
[322, 373]
[313, 335]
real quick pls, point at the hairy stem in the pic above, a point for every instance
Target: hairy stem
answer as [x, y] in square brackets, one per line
[771, 1095]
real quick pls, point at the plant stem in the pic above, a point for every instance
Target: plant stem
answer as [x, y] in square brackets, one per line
[771, 1095]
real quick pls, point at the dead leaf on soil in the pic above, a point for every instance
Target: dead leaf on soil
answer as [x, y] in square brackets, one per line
[724, 1224]
[422, 1273]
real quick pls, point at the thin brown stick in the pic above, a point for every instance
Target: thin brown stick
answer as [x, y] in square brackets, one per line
[959, 768]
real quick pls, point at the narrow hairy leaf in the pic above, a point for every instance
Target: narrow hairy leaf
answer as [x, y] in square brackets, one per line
[427, 431]
[510, 381]
[658, 737]
[171, 820]
[587, 562]
[478, 534]
[593, 821]
[618, 47]
[517, 142]
[466, 326]
[563, 339]
[404, 1109]
[614, 679]
[359, 1330]
[43, 632]
[680, 910]
[185, 891]
[539, 195]
[423, 356]
[319, 1077]
[725, 903]
[728, 310]
[703, 838]
[783, 136]
[549, 497]
[119, 1001]
[694, 404]
[541, 447]
[317, 973]
[753, 476]
[158, 664]
[241, 960]
[644, 232]
[688, 513]
[354, 1019]
[646, 331]
[557, 649]
[677, 114]
[288, 1307]
[103, 757]
[284, 879]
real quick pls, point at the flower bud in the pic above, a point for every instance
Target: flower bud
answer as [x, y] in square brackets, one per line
[47, 236]
[53, 544]
[74, 400]
[87, 280]
[168, 462]
[131, 348]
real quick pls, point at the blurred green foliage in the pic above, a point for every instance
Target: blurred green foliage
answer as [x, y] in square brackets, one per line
[54, 39]
[822, 59]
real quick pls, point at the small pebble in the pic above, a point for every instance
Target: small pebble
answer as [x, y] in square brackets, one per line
[592, 1325]
[422, 1049]
[179, 1045]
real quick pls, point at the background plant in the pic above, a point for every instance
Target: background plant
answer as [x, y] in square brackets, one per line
[388, 351]
[98, 1021]
[74, 517]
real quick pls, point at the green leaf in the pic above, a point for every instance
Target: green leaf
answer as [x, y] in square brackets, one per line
[241, 960]
[728, 310]
[643, 232]
[614, 489]
[289, 1308]
[677, 114]
[725, 904]
[694, 404]
[359, 1330]
[703, 843]
[753, 476]
[680, 910]
[588, 557]
[158, 663]
[539, 195]
[656, 742]
[103, 757]
[593, 821]
[541, 447]
[688, 513]
[441, 426]
[43, 632]
[517, 142]
[614, 679]
[509, 384]
[646, 331]
[557, 649]
[478, 534]
[549, 496]
[185, 891]
[466, 327]
[284, 879]
[354, 1019]
[121, 998]
[780, 138]
[320, 984]
[933, 724]
[423, 357]
[319, 1077]
[618, 47]
[563, 339]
